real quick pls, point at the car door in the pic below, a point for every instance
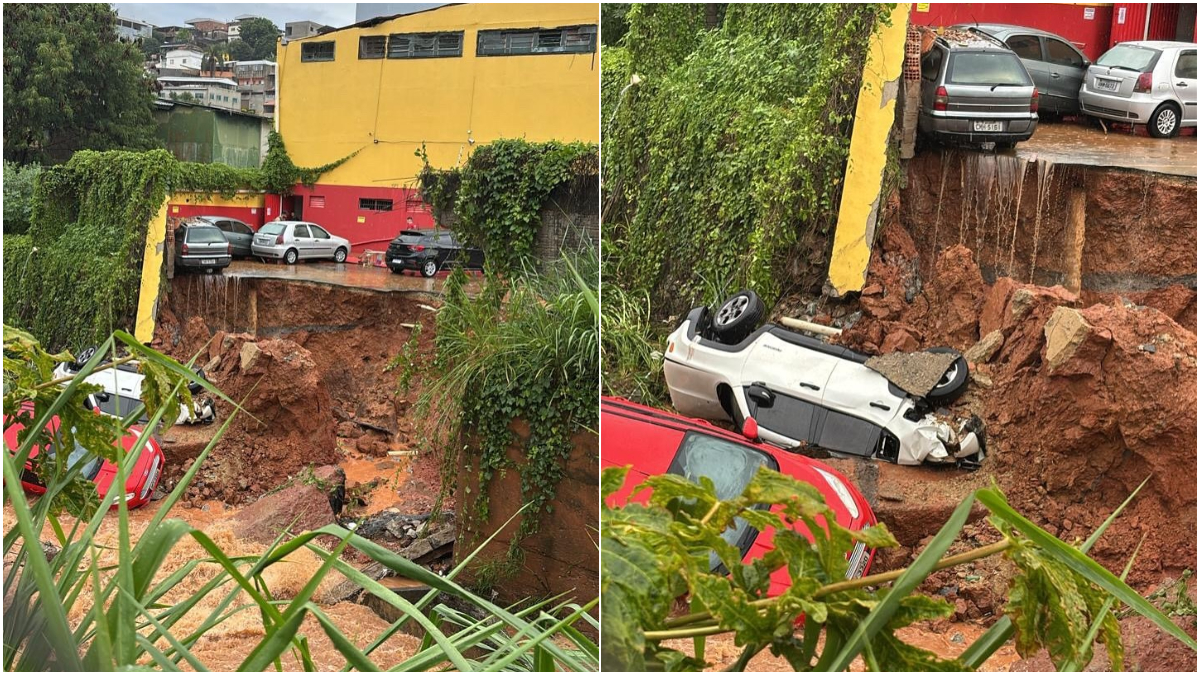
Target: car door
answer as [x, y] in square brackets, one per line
[1184, 83]
[1029, 49]
[322, 243]
[1067, 67]
[302, 240]
[448, 250]
[240, 235]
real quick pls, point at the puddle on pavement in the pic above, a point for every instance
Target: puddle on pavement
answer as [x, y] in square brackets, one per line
[341, 274]
[1090, 146]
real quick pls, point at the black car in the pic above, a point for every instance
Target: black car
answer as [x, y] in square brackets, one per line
[430, 251]
[199, 245]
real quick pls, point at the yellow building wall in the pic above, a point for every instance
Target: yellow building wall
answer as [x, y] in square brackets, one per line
[386, 108]
[873, 119]
[152, 265]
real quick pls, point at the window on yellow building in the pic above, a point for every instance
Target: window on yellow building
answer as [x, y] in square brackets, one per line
[425, 45]
[564, 40]
[316, 51]
[372, 46]
[366, 204]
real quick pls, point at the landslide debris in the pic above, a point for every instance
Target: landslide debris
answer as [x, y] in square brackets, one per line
[1082, 403]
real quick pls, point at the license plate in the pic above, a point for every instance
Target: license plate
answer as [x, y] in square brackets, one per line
[209, 261]
[397, 261]
[1107, 85]
[989, 126]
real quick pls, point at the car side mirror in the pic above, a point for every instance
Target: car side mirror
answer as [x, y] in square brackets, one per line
[750, 429]
[759, 393]
[102, 396]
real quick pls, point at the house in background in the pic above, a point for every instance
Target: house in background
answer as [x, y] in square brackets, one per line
[214, 92]
[447, 80]
[256, 84]
[294, 30]
[234, 28]
[197, 133]
[181, 61]
[132, 30]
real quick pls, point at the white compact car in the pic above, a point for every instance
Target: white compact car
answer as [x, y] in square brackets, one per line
[1146, 82]
[792, 390]
[290, 241]
[123, 392]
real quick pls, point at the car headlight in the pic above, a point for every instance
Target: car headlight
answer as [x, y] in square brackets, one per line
[129, 496]
[842, 491]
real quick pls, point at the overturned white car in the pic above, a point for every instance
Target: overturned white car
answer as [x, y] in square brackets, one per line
[122, 391]
[796, 392]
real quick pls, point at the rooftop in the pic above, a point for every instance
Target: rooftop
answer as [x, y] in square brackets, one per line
[167, 79]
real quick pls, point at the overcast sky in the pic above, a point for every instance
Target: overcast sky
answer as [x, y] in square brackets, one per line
[336, 14]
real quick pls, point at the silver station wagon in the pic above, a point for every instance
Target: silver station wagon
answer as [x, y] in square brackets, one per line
[291, 241]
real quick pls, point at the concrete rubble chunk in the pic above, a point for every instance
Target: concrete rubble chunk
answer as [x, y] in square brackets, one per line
[250, 355]
[1065, 332]
[985, 349]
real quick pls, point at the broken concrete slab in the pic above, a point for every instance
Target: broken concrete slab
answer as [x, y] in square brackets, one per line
[916, 373]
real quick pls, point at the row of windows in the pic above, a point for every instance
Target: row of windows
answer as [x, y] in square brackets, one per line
[364, 203]
[514, 42]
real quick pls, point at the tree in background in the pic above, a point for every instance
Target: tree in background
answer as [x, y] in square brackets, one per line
[258, 39]
[214, 59]
[18, 196]
[150, 46]
[70, 84]
[614, 22]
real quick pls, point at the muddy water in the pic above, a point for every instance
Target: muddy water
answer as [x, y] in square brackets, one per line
[1090, 146]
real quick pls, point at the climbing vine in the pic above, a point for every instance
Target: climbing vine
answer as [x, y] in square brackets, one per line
[522, 352]
[280, 174]
[498, 196]
[723, 161]
[74, 278]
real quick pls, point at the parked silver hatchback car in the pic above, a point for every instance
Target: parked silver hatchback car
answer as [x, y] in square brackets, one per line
[974, 89]
[1056, 66]
[1146, 82]
[291, 240]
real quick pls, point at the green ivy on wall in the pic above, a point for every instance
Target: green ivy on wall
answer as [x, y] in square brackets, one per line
[75, 277]
[723, 163]
[498, 196]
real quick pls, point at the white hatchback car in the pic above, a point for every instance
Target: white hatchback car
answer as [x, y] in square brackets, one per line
[1146, 82]
[799, 391]
[292, 240]
[122, 392]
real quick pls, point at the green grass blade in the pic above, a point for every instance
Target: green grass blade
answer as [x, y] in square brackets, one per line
[353, 654]
[921, 568]
[276, 641]
[1082, 565]
[161, 631]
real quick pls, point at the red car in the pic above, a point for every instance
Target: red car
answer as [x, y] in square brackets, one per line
[143, 478]
[656, 442]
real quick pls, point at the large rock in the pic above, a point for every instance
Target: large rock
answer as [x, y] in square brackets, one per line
[1065, 332]
[295, 509]
[985, 349]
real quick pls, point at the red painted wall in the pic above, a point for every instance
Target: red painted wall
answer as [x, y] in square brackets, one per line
[341, 213]
[1091, 36]
[252, 216]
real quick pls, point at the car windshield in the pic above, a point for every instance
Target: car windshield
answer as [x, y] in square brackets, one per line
[730, 466]
[80, 454]
[987, 68]
[119, 406]
[205, 235]
[271, 228]
[1130, 57]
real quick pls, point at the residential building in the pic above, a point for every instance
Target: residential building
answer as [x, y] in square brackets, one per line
[447, 80]
[294, 30]
[199, 133]
[181, 60]
[210, 91]
[256, 83]
[131, 30]
[371, 10]
[1092, 27]
[235, 26]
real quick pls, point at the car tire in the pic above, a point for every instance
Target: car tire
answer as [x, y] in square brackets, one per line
[339, 255]
[1165, 121]
[396, 270]
[738, 317]
[291, 256]
[429, 268]
[953, 382]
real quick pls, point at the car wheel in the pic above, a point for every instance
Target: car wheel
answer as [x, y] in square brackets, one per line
[429, 268]
[339, 255]
[396, 270]
[738, 317]
[1164, 123]
[954, 380]
[291, 256]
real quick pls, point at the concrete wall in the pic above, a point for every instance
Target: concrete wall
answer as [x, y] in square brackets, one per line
[562, 557]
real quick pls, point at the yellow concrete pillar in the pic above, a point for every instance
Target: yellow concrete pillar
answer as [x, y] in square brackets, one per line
[873, 119]
[152, 265]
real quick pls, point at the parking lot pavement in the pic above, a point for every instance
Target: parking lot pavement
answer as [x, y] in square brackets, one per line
[1067, 143]
[343, 274]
